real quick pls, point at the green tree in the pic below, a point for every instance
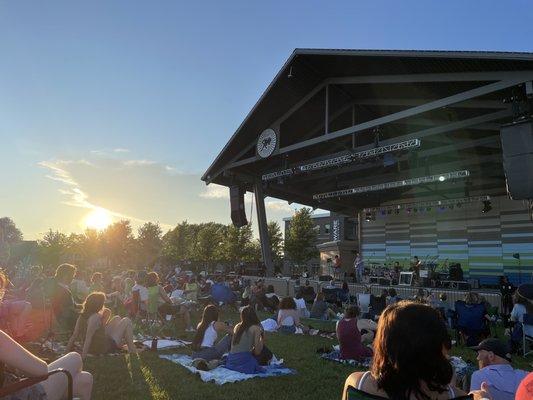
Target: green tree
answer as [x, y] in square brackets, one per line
[238, 244]
[118, 243]
[300, 241]
[178, 243]
[9, 235]
[208, 242]
[52, 248]
[149, 244]
[276, 240]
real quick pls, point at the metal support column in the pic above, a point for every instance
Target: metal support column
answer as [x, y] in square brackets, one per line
[360, 232]
[266, 250]
[326, 116]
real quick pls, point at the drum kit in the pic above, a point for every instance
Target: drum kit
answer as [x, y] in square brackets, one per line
[428, 273]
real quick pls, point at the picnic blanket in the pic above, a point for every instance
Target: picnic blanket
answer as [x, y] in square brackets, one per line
[221, 375]
[335, 355]
[166, 343]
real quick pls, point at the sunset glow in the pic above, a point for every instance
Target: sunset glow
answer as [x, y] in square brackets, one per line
[98, 219]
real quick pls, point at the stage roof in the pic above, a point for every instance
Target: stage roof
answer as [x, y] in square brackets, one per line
[454, 102]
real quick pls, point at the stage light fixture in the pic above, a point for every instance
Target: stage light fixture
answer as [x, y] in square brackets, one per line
[487, 206]
[442, 178]
[345, 159]
[392, 185]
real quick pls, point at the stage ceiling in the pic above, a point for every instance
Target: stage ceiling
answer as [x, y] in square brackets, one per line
[444, 109]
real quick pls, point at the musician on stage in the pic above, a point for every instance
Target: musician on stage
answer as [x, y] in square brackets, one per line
[337, 265]
[359, 266]
[416, 265]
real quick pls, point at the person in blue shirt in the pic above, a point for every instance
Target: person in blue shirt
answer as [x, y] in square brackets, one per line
[496, 371]
[221, 293]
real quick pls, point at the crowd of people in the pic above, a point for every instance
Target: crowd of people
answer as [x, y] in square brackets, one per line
[408, 340]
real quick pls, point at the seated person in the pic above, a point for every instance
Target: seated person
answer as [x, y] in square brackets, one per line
[320, 309]
[99, 333]
[79, 287]
[523, 304]
[142, 292]
[13, 313]
[204, 344]
[301, 306]
[472, 319]
[58, 291]
[343, 294]
[378, 303]
[97, 282]
[248, 351]
[410, 357]
[165, 307]
[191, 289]
[307, 292]
[221, 294]
[392, 297]
[349, 336]
[288, 316]
[17, 357]
[496, 370]
[270, 300]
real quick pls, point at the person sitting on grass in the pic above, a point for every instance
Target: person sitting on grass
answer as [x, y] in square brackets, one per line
[392, 297]
[496, 370]
[349, 336]
[320, 309]
[288, 316]
[204, 344]
[14, 312]
[100, 333]
[166, 307]
[410, 358]
[248, 351]
[303, 312]
[14, 356]
[97, 283]
[222, 294]
[64, 307]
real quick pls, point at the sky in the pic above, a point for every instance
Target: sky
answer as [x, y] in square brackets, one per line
[122, 105]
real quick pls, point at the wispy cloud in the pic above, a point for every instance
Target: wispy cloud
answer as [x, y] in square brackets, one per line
[121, 150]
[215, 192]
[75, 196]
[130, 163]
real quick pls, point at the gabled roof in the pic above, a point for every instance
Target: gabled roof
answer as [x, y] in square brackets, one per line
[306, 69]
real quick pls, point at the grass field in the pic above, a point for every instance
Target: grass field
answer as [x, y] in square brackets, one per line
[149, 377]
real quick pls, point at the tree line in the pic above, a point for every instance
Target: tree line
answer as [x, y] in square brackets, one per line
[119, 245]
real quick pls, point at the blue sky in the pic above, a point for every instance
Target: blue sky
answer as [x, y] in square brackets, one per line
[123, 104]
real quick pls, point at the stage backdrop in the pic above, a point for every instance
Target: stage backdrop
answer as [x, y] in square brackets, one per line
[484, 244]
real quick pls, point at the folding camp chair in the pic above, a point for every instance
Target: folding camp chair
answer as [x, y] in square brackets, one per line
[23, 383]
[363, 301]
[527, 323]
[471, 322]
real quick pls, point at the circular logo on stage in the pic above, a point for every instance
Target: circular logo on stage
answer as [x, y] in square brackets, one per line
[266, 144]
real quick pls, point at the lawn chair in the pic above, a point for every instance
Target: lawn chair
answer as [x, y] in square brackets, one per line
[471, 322]
[527, 323]
[23, 383]
[363, 301]
[377, 305]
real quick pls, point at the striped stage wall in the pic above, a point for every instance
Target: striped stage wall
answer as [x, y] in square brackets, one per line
[482, 243]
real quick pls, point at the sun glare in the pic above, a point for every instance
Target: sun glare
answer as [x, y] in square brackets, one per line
[98, 219]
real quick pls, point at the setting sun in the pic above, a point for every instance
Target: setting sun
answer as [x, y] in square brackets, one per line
[98, 219]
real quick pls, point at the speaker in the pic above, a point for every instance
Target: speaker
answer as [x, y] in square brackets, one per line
[517, 149]
[238, 214]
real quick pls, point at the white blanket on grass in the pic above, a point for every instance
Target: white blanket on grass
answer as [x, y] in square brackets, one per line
[167, 344]
[221, 375]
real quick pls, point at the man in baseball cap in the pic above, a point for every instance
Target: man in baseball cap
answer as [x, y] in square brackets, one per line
[496, 370]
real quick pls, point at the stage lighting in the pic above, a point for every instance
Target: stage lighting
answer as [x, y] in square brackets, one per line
[442, 178]
[368, 216]
[486, 206]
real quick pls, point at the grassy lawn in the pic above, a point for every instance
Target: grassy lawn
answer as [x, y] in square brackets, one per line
[149, 377]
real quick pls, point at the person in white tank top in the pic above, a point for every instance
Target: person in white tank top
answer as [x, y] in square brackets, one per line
[205, 345]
